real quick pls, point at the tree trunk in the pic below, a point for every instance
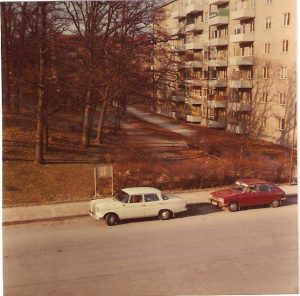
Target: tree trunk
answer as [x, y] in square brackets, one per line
[39, 153]
[6, 59]
[86, 119]
[102, 116]
[20, 57]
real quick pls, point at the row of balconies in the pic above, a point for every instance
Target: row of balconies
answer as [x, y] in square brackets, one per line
[215, 102]
[222, 62]
[221, 82]
[222, 41]
[219, 17]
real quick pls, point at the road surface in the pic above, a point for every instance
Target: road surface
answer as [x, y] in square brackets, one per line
[210, 251]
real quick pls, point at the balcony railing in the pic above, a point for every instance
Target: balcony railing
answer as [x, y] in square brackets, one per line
[218, 82]
[242, 37]
[218, 2]
[193, 118]
[180, 47]
[240, 106]
[241, 83]
[194, 44]
[219, 41]
[241, 61]
[178, 96]
[220, 12]
[194, 7]
[179, 13]
[243, 10]
[194, 27]
[216, 123]
[222, 62]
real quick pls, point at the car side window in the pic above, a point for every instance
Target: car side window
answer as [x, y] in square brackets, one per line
[253, 188]
[136, 198]
[151, 197]
[264, 188]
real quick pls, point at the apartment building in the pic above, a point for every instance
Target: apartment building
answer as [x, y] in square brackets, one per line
[235, 65]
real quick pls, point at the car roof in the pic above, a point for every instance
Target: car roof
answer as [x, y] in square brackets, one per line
[140, 190]
[247, 182]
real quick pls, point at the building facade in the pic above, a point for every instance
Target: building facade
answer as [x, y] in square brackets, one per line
[235, 65]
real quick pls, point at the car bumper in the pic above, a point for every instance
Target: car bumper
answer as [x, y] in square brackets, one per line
[95, 216]
[216, 202]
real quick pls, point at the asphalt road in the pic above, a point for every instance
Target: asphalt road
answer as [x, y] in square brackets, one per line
[210, 251]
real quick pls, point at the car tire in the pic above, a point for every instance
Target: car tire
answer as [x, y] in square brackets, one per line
[111, 219]
[275, 203]
[233, 206]
[165, 215]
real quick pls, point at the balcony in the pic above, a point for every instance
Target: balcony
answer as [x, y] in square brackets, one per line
[240, 106]
[180, 48]
[217, 101]
[215, 123]
[178, 97]
[218, 2]
[242, 37]
[194, 99]
[235, 128]
[218, 41]
[195, 44]
[219, 18]
[241, 83]
[218, 62]
[194, 7]
[241, 61]
[243, 13]
[194, 27]
[179, 13]
[194, 81]
[181, 65]
[193, 118]
[217, 83]
[194, 64]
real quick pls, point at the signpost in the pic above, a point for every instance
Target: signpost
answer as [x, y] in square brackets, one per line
[104, 171]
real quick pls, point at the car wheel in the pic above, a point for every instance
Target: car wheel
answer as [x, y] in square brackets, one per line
[165, 214]
[275, 203]
[233, 206]
[111, 219]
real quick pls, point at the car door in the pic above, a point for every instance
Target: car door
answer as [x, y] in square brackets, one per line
[152, 204]
[135, 208]
[266, 194]
[249, 197]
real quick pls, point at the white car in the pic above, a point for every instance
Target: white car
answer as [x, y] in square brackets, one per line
[137, 202]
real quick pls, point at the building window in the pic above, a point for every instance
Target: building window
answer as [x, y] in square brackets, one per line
[280, 123]
[285, 46]
[268, 1]
[268, 23]
[282, 99]
[267, 47]
[264, 97]
[252, 27]
[283, 72]
[263, 121]
[286, 19]
[265, 72]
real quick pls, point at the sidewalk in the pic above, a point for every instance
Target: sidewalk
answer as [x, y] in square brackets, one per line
[75, 209]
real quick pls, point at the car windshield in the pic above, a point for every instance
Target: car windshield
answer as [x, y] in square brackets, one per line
[122, 197]
[239, 188]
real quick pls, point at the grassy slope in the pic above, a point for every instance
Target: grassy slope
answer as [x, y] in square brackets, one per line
[68, 174]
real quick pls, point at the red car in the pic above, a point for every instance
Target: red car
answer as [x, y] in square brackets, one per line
[248, 192]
